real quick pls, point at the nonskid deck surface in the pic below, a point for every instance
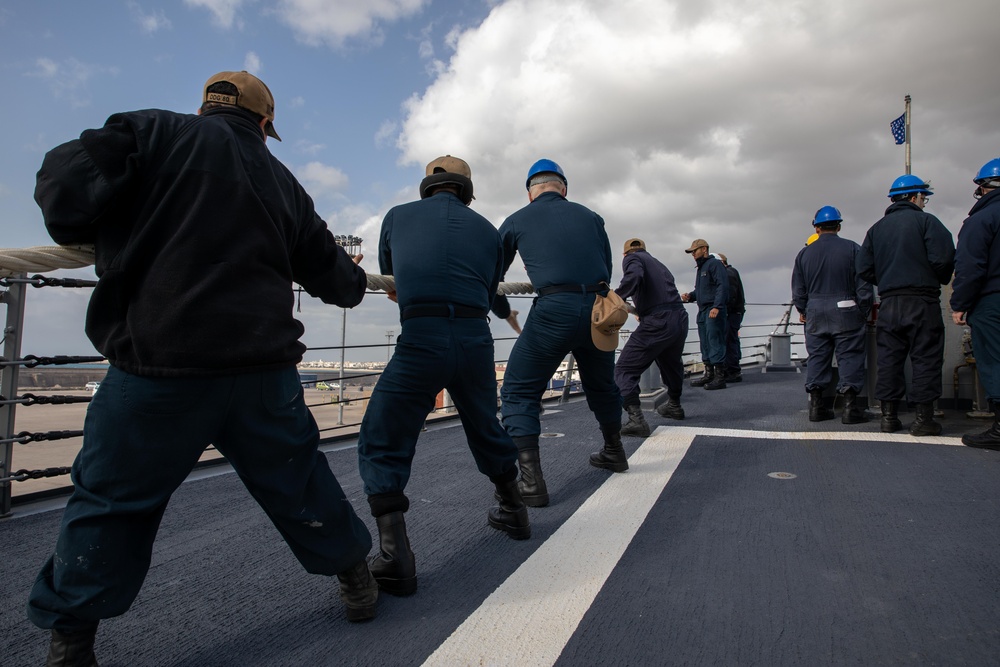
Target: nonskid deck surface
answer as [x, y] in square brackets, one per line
[742, 535]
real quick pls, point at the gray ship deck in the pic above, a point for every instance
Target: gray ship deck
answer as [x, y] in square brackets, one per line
[742, 535]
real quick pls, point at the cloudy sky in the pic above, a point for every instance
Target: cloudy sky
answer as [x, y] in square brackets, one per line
[675, 119]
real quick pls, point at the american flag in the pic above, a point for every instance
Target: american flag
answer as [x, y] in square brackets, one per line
[898, 128]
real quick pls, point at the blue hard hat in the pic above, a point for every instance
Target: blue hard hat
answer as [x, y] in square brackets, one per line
[826, 215]
[989, 172]
[544, 166]
[909, 184]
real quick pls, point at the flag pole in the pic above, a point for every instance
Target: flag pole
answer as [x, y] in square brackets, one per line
[907, 125]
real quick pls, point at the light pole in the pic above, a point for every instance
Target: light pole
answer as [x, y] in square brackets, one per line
[388, 344]
[351, 244]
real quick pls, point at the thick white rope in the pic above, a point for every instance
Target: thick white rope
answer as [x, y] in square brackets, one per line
[49, 258]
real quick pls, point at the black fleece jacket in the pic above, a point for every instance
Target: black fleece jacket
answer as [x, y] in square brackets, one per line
[199, 234]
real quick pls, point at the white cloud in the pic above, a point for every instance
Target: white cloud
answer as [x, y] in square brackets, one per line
[386, 134]
[332, 22]
[252, 63]
[224, 12]
[318, 178]
[69, 80]
[151, 22]
[308, 148]
[728, 121]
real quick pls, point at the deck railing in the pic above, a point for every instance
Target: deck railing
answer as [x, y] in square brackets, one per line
[338, 411]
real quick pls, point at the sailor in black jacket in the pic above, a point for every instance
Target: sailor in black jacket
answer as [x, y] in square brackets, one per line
[908, 254]
[975, 297]
[199, 234]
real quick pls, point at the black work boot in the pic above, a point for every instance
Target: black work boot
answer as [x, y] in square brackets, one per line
[890, 417]
[924, 424]
[394, 566]
[636, 424]
[852, 413]
[705, 378]
[718, 380]
[988, 439]
[734, 375]
[530, 484]
[671, 409]
[612, 456]
[72, 649]
[817, 411]
[359, 591]
[511, 516]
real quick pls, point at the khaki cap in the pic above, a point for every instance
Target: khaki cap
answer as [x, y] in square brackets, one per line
[607, 317]
[634, 244]
[252, 95]
[449, 164]
[697, 243]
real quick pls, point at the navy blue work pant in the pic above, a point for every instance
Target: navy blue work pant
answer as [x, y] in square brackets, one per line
[142, 436]
[712, 334]
[834, 326]
[659, 338]
[433, 353]
[985, 323]
[733, 352]
[909, 326]
[557, 325]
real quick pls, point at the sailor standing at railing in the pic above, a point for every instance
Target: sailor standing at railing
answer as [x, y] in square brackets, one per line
[711, 293]
[199, 234]
[833, 304]
[908, 255]
[446, 260]
[567, 254]
[975, 297]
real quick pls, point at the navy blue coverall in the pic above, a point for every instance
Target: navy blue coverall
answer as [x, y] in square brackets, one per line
[835, 301]
[711, 290]
[561, 243]
[908, 254]
[446, 260]
[976, 290]
[662, 329]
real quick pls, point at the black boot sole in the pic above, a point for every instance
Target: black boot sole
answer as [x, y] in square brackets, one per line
[536, 501]
[398, 587]
[360, 614]
[641, 434]
[972, 441]
[613, 466]
[515, 532]
[532, 499]
[920, 431]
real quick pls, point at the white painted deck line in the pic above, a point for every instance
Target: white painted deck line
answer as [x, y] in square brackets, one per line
[529, 619]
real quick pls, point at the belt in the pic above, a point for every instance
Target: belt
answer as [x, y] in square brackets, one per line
[448, 310]
[582, 289]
